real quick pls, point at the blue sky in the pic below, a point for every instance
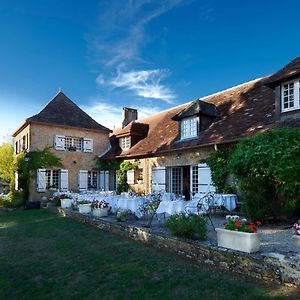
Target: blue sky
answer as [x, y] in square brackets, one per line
[147, 54]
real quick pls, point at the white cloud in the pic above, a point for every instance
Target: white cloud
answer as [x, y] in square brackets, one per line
[146, 83]
[110, 115]
[122, 29]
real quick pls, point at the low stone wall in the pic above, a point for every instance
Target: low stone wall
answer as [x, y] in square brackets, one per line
[269, 267]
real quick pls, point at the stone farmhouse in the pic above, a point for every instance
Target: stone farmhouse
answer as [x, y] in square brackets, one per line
[167, 146]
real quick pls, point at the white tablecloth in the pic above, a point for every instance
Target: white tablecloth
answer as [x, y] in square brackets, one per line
[182, 206]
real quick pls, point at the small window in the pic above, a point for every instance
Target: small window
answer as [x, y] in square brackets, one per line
[125, 142]
[189, 127]
[52, 179]
[73, 143]
[290, 95]
[92, 180]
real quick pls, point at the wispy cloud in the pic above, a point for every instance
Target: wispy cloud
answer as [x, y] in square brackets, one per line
[118, 42]
[110, 115]
[146, 83]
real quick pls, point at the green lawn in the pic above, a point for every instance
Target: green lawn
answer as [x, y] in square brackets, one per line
[44, 256]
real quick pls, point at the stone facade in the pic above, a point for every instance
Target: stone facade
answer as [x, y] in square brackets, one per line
[183, 158]
[42, 135]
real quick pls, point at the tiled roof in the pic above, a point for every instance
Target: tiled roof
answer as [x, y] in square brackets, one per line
[291, 70]
[62, 111]
[133, 128]
[243, 111]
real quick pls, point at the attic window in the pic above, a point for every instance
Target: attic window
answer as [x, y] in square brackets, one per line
[189, 127]
[125, 142]
[290, 95]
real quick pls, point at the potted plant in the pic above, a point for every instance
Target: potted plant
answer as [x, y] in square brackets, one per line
[239, 234]
[296, 236]
[65, 201]
[84, 206]
[100, 208]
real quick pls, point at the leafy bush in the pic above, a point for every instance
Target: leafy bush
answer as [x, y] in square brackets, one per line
[192, 226]
[13, 199]
[267, 169]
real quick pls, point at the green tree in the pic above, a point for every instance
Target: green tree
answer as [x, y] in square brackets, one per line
[6, 162]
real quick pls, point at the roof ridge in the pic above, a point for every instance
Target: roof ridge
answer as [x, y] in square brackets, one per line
[233, 87]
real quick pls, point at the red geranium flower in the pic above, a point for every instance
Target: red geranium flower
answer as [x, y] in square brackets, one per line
[237, 223]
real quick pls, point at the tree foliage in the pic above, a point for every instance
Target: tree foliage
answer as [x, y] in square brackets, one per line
[267, 167]
[6, 162]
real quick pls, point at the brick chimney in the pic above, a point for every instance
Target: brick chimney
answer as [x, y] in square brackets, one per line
[129, 114]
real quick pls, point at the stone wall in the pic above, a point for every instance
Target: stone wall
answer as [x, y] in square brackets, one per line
[42, 136]
[186, 158]
[274, 268]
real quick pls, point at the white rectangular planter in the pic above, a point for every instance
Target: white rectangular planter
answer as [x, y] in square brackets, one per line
[297, 240]
[100, 212]
[236, 240]
[84, 208]
[66, 203]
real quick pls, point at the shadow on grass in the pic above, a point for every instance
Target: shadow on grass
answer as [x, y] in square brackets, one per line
[45, 256]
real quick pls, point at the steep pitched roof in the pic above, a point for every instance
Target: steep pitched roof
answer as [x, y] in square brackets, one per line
[291, 70]
[63, 111]
[243, 111]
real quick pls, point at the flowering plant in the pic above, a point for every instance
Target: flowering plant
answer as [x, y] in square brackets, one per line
[296, 227]
[100, 204]
[236, 224]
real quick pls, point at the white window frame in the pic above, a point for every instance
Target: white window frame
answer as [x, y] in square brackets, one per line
[70, 141]
[92, 176]
[50, 182]
[189, 127]
[176, 180]
[296, 94]
[125, 142]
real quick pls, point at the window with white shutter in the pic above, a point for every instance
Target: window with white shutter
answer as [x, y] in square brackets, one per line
[59, 142]
[87, 145]
[83, 180]
[104, 180]
[158, 179]
[64, 180]
[41, 180]
[205, 183]
[130, 177]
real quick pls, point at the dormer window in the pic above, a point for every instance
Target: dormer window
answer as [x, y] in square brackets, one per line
[189, 127]
[290, 95]
[125, 142]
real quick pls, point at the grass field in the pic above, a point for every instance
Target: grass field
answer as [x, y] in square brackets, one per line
[44, 256]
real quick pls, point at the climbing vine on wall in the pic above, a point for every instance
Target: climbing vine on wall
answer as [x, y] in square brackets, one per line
[218, 162]
[26, 165]
[122, 175]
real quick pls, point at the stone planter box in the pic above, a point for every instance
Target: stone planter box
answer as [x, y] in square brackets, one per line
[297, 240]
[84, 208]
[235, 240]
[66, 203]
[100, 212]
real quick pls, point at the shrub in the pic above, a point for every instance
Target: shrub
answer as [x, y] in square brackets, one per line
[266, 167]
[192, 226]
[13, 199]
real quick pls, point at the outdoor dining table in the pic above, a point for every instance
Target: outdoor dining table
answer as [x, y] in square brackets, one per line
[182, 206]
